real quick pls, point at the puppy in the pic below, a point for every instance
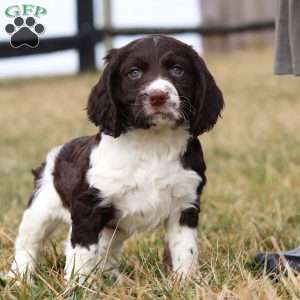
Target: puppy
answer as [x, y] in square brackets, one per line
[144, 168]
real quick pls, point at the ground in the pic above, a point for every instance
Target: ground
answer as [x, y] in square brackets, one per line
[251, 201]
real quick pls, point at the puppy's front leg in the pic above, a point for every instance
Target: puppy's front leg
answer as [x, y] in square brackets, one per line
[88, 219]
[181, 242]
[80, 261]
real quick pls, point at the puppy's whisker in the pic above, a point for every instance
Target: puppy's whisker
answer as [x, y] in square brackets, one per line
[138, 115]
[182, 115]
[136, 104]
[187, 109]
[186, 101]
[185, 98]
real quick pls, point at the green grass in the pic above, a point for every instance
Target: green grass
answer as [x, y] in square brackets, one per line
[251, 201]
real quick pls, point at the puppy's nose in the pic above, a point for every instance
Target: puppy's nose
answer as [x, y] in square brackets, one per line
[158, 97]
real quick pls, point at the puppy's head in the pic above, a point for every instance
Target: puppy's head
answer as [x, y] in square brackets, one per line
[152, 81]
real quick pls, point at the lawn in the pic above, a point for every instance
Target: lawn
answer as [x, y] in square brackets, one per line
[251, 201]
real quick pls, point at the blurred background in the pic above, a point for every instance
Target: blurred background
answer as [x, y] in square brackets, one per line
[78, 33]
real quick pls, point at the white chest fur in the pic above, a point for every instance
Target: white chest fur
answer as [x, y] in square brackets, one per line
[141, 175]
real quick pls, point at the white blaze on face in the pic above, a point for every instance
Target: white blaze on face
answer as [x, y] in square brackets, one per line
[172, 104]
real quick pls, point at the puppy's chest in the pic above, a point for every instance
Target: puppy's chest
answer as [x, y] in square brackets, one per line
[144, 186]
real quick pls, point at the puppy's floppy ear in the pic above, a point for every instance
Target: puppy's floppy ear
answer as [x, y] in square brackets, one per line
[208, 99]
[102, 107]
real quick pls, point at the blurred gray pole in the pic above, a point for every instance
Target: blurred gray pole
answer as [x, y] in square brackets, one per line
[107, 23]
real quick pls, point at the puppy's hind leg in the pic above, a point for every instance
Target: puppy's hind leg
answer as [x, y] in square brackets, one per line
[44, 213]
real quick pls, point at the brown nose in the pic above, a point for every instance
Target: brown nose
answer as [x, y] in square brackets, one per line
[158, 97]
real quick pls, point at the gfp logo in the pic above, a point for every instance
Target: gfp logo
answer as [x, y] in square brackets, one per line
[25, 30]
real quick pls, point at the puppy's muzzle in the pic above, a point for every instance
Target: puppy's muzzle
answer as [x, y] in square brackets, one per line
[158, 98]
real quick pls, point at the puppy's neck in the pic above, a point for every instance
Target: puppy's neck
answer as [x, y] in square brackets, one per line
[157, 140]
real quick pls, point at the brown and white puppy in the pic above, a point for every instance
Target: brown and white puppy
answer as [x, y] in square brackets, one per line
[144, 168]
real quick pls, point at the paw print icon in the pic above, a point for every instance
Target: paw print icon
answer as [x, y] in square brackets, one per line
[24, 32]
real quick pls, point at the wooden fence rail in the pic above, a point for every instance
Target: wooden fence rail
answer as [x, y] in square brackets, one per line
[88, 36]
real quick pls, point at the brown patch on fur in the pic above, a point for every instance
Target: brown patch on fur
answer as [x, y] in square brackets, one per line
[71, 166]
[88, 218]
[193, 159]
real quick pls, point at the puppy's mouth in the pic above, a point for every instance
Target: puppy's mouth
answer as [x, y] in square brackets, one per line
[163, 116]
[164, 113]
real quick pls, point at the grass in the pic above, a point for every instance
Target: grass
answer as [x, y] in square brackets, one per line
[251, 201]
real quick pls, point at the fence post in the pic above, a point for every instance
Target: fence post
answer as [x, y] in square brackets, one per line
[107, 20]
[85, 25]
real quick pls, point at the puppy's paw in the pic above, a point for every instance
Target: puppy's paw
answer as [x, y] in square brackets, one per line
[115, 275]
[184, 273]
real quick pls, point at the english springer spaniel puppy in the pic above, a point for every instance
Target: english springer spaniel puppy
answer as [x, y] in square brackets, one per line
[144, 168]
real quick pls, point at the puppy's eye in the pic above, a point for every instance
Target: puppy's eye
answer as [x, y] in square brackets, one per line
[176, 71]
[135, 73]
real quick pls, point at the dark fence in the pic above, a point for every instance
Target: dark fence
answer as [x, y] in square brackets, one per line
[88, 36]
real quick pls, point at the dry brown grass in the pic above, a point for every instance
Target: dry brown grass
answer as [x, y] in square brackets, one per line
[251, 201]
